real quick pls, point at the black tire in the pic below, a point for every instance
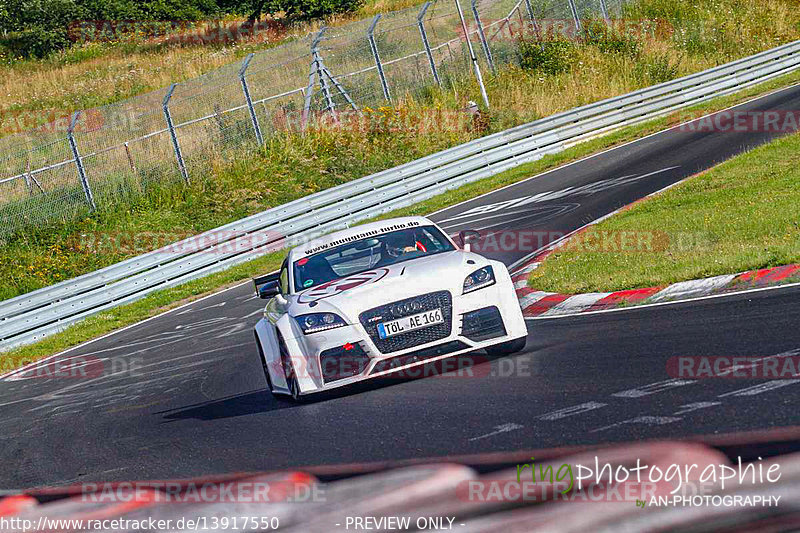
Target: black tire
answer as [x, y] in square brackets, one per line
[288, 370]
[507, 348]
[294, 387]
[264, 366]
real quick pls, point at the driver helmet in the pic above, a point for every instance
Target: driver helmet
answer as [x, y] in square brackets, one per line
[403, 242]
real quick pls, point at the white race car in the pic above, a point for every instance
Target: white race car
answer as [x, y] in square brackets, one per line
[380, 298]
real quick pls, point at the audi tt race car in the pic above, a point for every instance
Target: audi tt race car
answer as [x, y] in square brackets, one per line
[381, 298]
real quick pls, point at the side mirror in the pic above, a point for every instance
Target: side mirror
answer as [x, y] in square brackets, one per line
[467, 238]
[267, 286]
[269, 290]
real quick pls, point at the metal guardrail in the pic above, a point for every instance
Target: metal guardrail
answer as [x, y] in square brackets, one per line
[30, 317]
[117, 150]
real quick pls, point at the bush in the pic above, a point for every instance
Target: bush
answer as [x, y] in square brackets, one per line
[657, 69]
[610, 41]
[310, 9]
[36, 28]
[34, 42]
[548, 56]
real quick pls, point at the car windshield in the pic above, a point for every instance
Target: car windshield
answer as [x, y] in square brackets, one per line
[368, 253]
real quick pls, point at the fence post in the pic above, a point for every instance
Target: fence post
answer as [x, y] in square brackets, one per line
[312, 75]
[172, 134]
[532, 16]
[424, 34]
[575, 16]
[472, 57]
[325, 73]
[246, 91]
[27, 175]
[482, 36]
[371, 37]
[330, 105]
[130, 157]
[79, 162]
[604, 9]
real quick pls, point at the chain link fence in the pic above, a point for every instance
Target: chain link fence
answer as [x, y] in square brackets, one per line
[104, 157]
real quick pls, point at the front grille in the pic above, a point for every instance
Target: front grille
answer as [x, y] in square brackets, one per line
[343, 362]
[402, 308]
[420, 355]
[483, 324]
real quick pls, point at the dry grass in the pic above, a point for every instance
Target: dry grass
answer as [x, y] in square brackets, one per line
[740, 215]
[163, 300]
[707, 34]
[225, 188]
[112, 76]
[99, 73]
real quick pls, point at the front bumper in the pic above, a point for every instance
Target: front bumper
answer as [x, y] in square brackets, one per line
[354, 353]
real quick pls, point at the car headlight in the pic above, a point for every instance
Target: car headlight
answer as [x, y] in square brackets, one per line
[479, 279]
[314, 322]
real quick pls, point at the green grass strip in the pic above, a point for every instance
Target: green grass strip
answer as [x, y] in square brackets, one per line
[164, 300]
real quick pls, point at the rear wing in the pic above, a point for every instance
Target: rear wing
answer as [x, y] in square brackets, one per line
[263, 280]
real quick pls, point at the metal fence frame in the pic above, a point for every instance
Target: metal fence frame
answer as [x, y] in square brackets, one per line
[329, 88]
[31, 317]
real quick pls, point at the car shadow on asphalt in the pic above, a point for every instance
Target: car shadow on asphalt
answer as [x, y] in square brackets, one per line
[261, 401]
[249, 403]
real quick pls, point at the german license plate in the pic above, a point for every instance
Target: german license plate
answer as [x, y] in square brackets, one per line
[410, 323]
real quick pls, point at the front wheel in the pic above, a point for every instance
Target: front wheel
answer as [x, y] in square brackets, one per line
[264, 365]
[288, 371]
[509, 347]
[294, 386]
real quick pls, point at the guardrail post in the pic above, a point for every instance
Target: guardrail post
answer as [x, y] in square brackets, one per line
[575, 16]
[371, 37]
[482, 36]
[472, 56]
[246, 91]
[604, 9]
[173, 135]
[87, 190]
[424, 34]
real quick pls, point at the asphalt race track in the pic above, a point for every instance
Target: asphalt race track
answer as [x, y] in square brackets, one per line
[183, 394]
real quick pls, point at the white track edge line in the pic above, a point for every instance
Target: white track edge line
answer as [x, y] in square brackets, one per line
[125, 328]
[656, 304]
[570, 163]
[109, 334]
